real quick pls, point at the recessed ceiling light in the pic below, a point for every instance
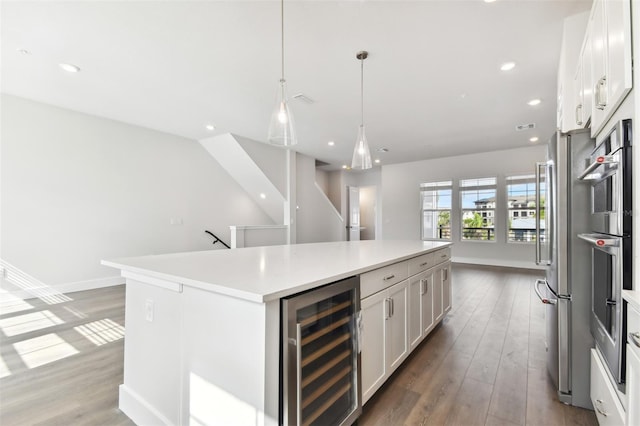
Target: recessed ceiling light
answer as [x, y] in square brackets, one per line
[507, 66]
[534, 139]
[377, 161]
[210, 127]
[23, 51]
[344, 166]
[331, 143]
[263, 195]
[69, 67]
[382, 150]
[489, 1]
[534, 102]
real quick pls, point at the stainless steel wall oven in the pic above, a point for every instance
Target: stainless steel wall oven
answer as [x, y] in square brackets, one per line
[320, 368]
[609, 171]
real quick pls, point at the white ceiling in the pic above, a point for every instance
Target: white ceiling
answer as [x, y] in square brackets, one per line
[433, 87]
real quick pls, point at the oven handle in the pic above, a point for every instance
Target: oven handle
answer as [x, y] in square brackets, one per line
[543, 299]
[600, 240]
[635, 338]
[601, 160]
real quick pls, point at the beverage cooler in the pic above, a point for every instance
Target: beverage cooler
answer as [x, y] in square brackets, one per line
[320, 369]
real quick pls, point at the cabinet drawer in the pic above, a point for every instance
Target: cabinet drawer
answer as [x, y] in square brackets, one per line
[421, 263]
[607, 406]
[441, 255]
[373, 281]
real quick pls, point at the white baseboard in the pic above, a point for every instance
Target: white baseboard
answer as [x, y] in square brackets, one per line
[20, 284]
[138, 409]
[498, 262]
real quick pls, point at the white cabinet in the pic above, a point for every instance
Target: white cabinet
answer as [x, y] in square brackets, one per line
[396, 317]
[420, 307]
[605, 401]
[446, 287]
[633, 366]
[610, 25]
[582, 83]
[385, 342]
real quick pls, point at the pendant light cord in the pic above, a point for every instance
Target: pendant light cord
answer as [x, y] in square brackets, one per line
[362, 92]
[282, 34]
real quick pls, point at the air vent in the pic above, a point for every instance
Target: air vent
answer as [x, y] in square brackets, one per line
[303, 98]
[522, 127]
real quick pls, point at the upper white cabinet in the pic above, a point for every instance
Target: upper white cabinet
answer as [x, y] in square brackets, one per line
[570, 101]
[611, 78]
[594, 76]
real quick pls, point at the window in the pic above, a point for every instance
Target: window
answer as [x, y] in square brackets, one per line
[521, 209]
[478, 200]
[435, 200]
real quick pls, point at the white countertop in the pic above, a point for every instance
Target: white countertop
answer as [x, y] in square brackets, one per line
[633, 297]
[260, 274]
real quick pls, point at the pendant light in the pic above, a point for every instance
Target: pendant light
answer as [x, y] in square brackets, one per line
[361, 154]
[281, 126]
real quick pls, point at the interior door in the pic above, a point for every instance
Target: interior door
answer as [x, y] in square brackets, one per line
[353, 224]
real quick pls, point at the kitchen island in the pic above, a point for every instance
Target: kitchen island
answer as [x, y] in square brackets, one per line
[202, 332]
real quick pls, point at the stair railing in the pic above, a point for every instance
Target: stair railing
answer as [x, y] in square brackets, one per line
[216, 239]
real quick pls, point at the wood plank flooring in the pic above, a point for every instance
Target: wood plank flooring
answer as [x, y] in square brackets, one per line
[61, 361]
[485, 365]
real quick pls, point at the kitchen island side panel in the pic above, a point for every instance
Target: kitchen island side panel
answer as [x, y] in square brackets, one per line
[231, 360]
[205, 358]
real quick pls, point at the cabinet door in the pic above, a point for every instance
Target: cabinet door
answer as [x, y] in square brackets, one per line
[618, 21]
[579, 98]
[374, 312]
[446, 288]
[397, 339]
[586, 90]
[427, 304]
[415, 310]
[598, 66]
[438, 312]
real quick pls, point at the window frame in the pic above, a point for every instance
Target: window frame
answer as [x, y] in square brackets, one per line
[486, 214]
[529, 211]
[436, 186]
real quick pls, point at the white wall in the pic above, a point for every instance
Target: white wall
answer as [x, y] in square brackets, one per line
[317, 218]
[77, 189]
[401, 200]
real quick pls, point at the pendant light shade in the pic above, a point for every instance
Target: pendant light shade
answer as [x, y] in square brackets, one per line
[281, 127]
[361, 154]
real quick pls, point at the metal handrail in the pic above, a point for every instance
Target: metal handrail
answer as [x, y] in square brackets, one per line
[217, 239]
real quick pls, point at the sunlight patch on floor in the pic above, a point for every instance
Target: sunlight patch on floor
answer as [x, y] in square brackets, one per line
[43, 350]
[10, 304]
[26, 323]
[4, 370]
[101, 332]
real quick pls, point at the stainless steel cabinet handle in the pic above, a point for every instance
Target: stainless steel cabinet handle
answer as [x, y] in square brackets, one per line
[387, 303]
[543, 299]
[635, 338]
[424, 264]
[445, 272]
[389, 277]
[422, 291]
[444, 256]
[579, 115]
[393, 308]
[599, 402]
[538, 197]
[600, 93]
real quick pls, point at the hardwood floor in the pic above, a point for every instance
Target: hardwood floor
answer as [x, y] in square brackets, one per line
[61, 361]
[485, 365]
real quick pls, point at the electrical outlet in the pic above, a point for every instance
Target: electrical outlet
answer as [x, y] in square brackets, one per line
[148, 310]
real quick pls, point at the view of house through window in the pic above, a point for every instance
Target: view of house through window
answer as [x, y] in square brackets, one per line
[436, 210]
[521, 207]
[478, 201]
